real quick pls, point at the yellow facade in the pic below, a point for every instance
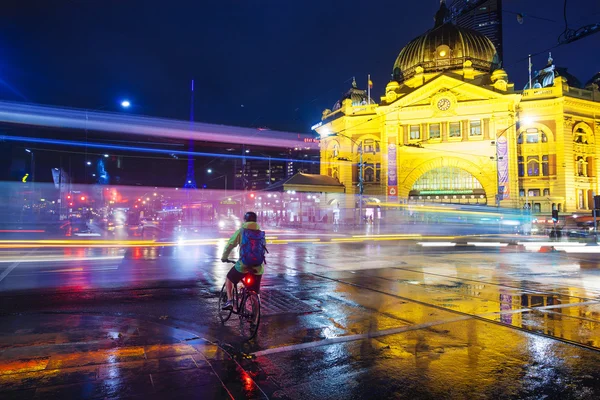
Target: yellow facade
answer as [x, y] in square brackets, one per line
[451, 121]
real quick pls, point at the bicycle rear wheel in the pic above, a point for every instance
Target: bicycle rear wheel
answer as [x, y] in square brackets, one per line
[223, 314]
[249, 315]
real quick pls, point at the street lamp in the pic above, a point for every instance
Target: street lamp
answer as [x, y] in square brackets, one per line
[32, 168]
[269, 176]
[125, 104]
[210, 171]
[525, 120]
[360, 173]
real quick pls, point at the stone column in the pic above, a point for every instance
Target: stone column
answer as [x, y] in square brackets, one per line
[486, 129]
[444, 129]
[465, 130]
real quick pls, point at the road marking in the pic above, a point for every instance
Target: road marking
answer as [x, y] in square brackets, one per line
[352, 338]
[13, 266]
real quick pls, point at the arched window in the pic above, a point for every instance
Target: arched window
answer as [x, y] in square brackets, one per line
[369, 174]
[544, 138]
[580, 166]
[533, 166]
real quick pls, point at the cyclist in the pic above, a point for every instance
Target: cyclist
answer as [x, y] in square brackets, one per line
[239, 270]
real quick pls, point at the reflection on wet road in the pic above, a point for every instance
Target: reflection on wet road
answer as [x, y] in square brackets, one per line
[353, 320]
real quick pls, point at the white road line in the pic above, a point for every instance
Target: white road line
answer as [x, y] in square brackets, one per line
[352, 338]
[13, 266]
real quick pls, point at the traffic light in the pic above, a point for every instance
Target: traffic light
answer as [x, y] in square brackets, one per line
[555, 216]
[68, 197]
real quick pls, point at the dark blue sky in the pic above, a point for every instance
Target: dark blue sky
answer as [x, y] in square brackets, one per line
[256, 62]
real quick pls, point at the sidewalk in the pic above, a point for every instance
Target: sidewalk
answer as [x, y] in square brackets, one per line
[62, 356]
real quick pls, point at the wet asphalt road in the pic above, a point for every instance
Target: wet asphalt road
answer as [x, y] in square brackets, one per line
[340, 321]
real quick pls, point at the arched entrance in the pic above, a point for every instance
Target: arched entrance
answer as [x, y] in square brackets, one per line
[448, 184]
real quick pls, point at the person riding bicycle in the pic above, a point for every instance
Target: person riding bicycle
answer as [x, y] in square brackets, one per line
[239, 270]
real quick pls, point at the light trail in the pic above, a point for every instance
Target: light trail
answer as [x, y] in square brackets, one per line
[142, 149]
[60, 259]
[64, 118]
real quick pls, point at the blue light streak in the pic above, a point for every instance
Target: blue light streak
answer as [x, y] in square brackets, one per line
[64, 118]
[142, 149]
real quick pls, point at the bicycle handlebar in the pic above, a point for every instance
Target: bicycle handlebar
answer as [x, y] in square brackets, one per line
[230, 261]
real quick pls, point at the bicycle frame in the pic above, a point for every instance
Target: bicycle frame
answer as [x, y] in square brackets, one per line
[246, 304]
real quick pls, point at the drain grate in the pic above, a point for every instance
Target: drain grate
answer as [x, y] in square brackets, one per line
[278, 302]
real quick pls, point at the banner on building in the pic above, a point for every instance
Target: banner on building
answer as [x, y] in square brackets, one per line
[392, 181]
[502, 157]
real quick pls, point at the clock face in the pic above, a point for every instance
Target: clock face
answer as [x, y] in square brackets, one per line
[443, 104]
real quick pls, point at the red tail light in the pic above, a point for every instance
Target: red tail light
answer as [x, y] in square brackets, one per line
[248, 280]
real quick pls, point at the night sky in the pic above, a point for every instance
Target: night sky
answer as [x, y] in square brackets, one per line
[267, 63]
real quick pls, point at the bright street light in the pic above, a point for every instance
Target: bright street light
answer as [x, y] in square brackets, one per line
[125, 104]
[209, 171]
[106, 156]
[527, 120]
[27, 150]
[89, 163]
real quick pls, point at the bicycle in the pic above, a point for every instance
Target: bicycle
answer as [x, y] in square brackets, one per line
[246, 304]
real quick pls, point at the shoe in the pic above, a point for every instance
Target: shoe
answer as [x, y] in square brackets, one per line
[228, 305]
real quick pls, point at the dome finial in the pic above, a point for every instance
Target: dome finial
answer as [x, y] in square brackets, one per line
[550, 59]
[354, 82]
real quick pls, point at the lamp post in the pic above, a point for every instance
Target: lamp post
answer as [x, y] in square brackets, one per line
[497, 158]
[360, 174]
[31, 166]
[124, 104]
[269, 174]
[210, 171]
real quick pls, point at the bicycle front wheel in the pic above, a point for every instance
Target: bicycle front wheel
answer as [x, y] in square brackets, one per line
[250, 315]
[223, 314]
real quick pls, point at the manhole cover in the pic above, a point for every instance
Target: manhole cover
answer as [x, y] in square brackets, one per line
[277, 302]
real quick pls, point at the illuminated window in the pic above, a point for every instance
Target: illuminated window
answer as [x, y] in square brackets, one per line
[545, 169]
[415, 132]
[434, 131]
[521, 166]
[447, 179]
[370, 146]
[372, 172]
[547, 193]
[533, 166]
[455, 129]
[475, 128]
[533, 137]
[581, 166]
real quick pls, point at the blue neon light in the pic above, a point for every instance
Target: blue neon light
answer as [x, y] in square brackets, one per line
[141, 149]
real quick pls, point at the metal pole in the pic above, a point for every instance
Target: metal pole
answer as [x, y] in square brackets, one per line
[594, 212]
[360, 186]
[497, 177]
